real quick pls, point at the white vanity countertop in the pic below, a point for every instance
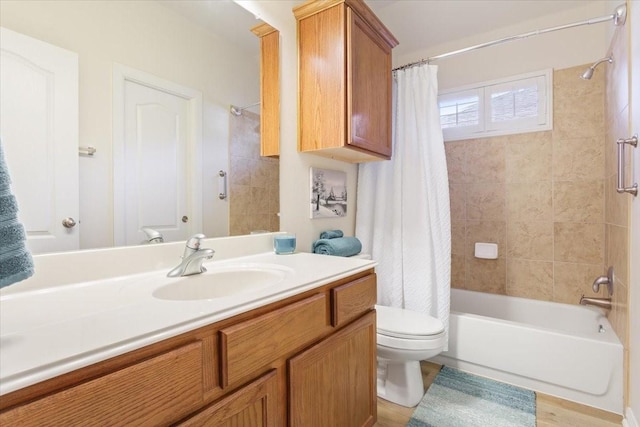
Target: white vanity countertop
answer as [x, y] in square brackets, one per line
[48, 332]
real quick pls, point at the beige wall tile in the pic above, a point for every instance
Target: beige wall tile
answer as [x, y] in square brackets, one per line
[529, 201]
[530, 240]
[575, 159]
[620, 312]
[618, 255]
[485, 160]
[528, 157]
[486, 275]
[530, 279]
[457, 271]
[573, 280]
[485, 201]
[579, 242]
[485, 232]
[457, 200]
[567, 82]
[458, 232]
[455, 152]
[240, 170]
[616, 127]
[617, 75]
[578, 201]
[616, 204]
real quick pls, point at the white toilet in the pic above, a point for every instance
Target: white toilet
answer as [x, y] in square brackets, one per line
[404, 339]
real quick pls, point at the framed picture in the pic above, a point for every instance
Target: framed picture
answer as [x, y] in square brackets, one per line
[328, 193]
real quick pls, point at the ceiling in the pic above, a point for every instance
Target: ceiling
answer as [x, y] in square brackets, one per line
[420, 23]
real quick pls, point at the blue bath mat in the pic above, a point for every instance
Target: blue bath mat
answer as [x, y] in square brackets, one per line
[458, 399]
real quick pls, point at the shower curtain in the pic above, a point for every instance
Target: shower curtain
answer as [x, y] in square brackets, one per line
[403, 215]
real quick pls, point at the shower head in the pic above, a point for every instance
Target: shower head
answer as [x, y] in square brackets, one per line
[237, 111]
[589, 72]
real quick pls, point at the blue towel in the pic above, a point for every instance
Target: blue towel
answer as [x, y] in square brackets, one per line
[340, 246]
[16, 263]
[331, 234]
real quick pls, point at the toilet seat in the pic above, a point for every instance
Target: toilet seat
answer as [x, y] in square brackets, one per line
[408, 330]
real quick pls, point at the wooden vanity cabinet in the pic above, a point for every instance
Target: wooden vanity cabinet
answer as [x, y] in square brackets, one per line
[344, 104]
[269, 89]
[308, 360]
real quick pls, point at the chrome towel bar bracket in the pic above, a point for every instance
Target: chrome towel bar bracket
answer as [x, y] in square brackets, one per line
[633, 141]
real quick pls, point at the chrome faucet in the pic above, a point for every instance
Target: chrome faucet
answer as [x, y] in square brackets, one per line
[153, 236]
[598, 302]
[192, 258]
[601, 302]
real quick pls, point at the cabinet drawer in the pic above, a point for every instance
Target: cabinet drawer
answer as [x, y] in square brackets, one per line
[252, 345]
[153, 392]
[254, 405]
[352, 299]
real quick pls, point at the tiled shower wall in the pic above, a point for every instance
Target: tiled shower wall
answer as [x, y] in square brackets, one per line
[254, 184]
[617, 211]
[540, 196]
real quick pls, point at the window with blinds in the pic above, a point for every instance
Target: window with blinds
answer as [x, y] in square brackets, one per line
[516, 104]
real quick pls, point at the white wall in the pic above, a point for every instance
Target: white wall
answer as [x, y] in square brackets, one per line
[151, 38]
[294, 166]
[634, 266]
[561, 49]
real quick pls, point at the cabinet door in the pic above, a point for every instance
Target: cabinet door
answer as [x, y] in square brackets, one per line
[333, 383]
[255, 405]
[369, 83]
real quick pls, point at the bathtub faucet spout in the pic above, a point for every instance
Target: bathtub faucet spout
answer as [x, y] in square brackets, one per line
[598, 302]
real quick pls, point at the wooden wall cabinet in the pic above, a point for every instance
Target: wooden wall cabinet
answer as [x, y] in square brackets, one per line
[344, 104]
[309, 360]
[269, 89]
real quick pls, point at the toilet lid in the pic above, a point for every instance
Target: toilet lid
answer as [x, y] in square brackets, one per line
[397, 322]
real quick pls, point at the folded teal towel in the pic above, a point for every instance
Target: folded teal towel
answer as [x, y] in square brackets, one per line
[331, 234]
[340, 246]
[16, 262]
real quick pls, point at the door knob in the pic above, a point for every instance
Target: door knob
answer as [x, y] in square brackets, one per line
[69, 222]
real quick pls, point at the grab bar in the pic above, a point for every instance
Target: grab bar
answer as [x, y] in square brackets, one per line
[633, 141]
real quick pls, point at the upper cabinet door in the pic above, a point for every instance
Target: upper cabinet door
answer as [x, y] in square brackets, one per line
[39, 131]
[369, 83]
[344, 104]
[269, 89]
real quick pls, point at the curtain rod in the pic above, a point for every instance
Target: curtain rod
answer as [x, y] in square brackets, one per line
[618, 17]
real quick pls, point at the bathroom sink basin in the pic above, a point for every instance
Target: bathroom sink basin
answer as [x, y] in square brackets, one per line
[223, 282]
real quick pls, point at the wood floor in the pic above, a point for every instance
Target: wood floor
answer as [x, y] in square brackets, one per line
[550, 411]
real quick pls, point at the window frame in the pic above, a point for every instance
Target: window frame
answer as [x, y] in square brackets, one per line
[486, 128]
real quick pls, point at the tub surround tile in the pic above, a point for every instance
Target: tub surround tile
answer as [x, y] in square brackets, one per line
[485, 160]
[579, 242]
[458, 232]
[618, 251]
[486, 275]
[569, 166]
[485, 201]
[530, 240]
[578, 201]
[568, 84]
[620, 312]
[550, 214]
[617, 74]
[616, 204]
[457, 201]
[458, 271]
[572, 280]
[530, 279]
[530, 201]
[455, 152]
[528, 157]
[485, 232]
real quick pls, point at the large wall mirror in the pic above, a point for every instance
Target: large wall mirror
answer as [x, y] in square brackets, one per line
[152, 90]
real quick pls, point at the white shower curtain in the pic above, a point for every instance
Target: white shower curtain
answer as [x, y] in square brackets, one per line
[403, 216]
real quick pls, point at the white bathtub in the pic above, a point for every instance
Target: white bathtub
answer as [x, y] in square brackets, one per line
[564, 350]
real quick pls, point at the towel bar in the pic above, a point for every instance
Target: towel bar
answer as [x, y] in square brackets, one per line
[633, 141]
